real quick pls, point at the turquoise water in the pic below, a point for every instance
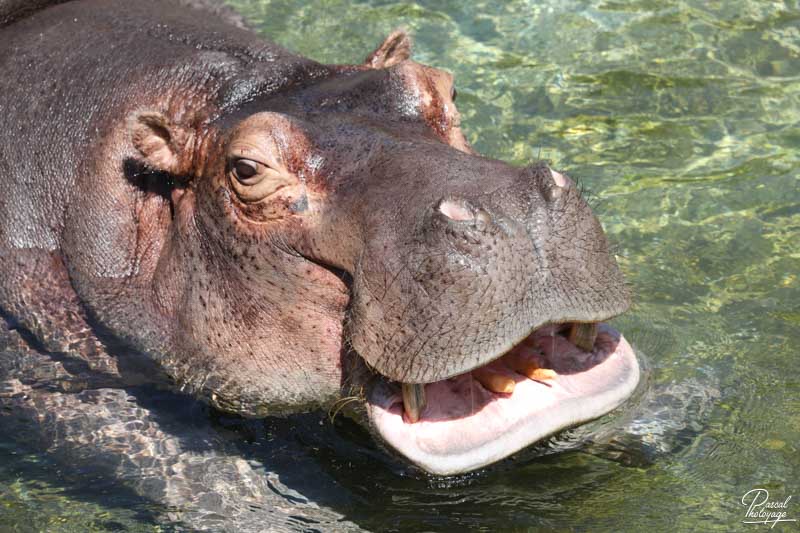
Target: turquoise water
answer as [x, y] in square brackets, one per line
[682, 120]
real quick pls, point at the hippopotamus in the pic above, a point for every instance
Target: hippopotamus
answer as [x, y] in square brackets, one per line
[189, 207]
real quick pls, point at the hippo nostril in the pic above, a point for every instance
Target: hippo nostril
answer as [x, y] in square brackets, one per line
[483, 216]
[455, 210]
[558, 178]
[555, 186]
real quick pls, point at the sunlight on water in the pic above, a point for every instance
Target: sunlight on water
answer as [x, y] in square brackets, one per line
[682, 119]
[34, 497]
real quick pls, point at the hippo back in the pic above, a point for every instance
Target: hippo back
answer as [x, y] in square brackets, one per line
[13, 10]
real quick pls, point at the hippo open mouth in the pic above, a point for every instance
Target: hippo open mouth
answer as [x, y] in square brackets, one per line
[559, 376]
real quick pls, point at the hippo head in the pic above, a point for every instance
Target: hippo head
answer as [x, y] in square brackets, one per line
[340, 238]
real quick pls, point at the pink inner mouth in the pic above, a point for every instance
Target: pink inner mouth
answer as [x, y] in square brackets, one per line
[465, 425]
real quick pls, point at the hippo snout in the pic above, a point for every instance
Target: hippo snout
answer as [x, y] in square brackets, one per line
[453, 282]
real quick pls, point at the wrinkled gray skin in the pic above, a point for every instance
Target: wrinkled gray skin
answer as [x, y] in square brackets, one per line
[153, 263]
[120, 192]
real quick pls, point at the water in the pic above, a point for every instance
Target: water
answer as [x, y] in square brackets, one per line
[682, 120]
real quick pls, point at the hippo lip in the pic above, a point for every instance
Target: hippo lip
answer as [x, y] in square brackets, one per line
[465, 426]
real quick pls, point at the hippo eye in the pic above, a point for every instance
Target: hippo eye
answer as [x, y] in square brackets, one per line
[245, 169]
[254, 181]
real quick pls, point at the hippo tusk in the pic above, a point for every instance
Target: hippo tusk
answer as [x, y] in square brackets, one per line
[494, 381]
[413, 400]
[583, 335]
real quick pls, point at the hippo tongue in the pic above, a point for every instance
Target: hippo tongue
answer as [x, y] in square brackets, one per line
[465, 426]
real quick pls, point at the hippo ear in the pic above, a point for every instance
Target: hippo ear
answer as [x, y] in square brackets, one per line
[396, 48]
[162, 144]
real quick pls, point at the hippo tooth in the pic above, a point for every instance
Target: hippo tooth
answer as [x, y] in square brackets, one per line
[535, 372]
[413, 400]
[494, 381]
[523, 362]
[542, 374]
[583, 335]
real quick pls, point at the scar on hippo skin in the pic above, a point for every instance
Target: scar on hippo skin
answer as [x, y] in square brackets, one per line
[299, 205]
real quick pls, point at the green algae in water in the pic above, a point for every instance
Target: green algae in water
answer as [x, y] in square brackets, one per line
[682, 119]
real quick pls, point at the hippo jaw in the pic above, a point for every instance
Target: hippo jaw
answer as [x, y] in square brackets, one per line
[464, 425]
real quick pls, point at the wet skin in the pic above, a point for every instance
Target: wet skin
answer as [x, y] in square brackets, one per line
[272, 235]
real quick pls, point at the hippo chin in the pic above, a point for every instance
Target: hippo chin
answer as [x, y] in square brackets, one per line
[478, 418]
[274, 235]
